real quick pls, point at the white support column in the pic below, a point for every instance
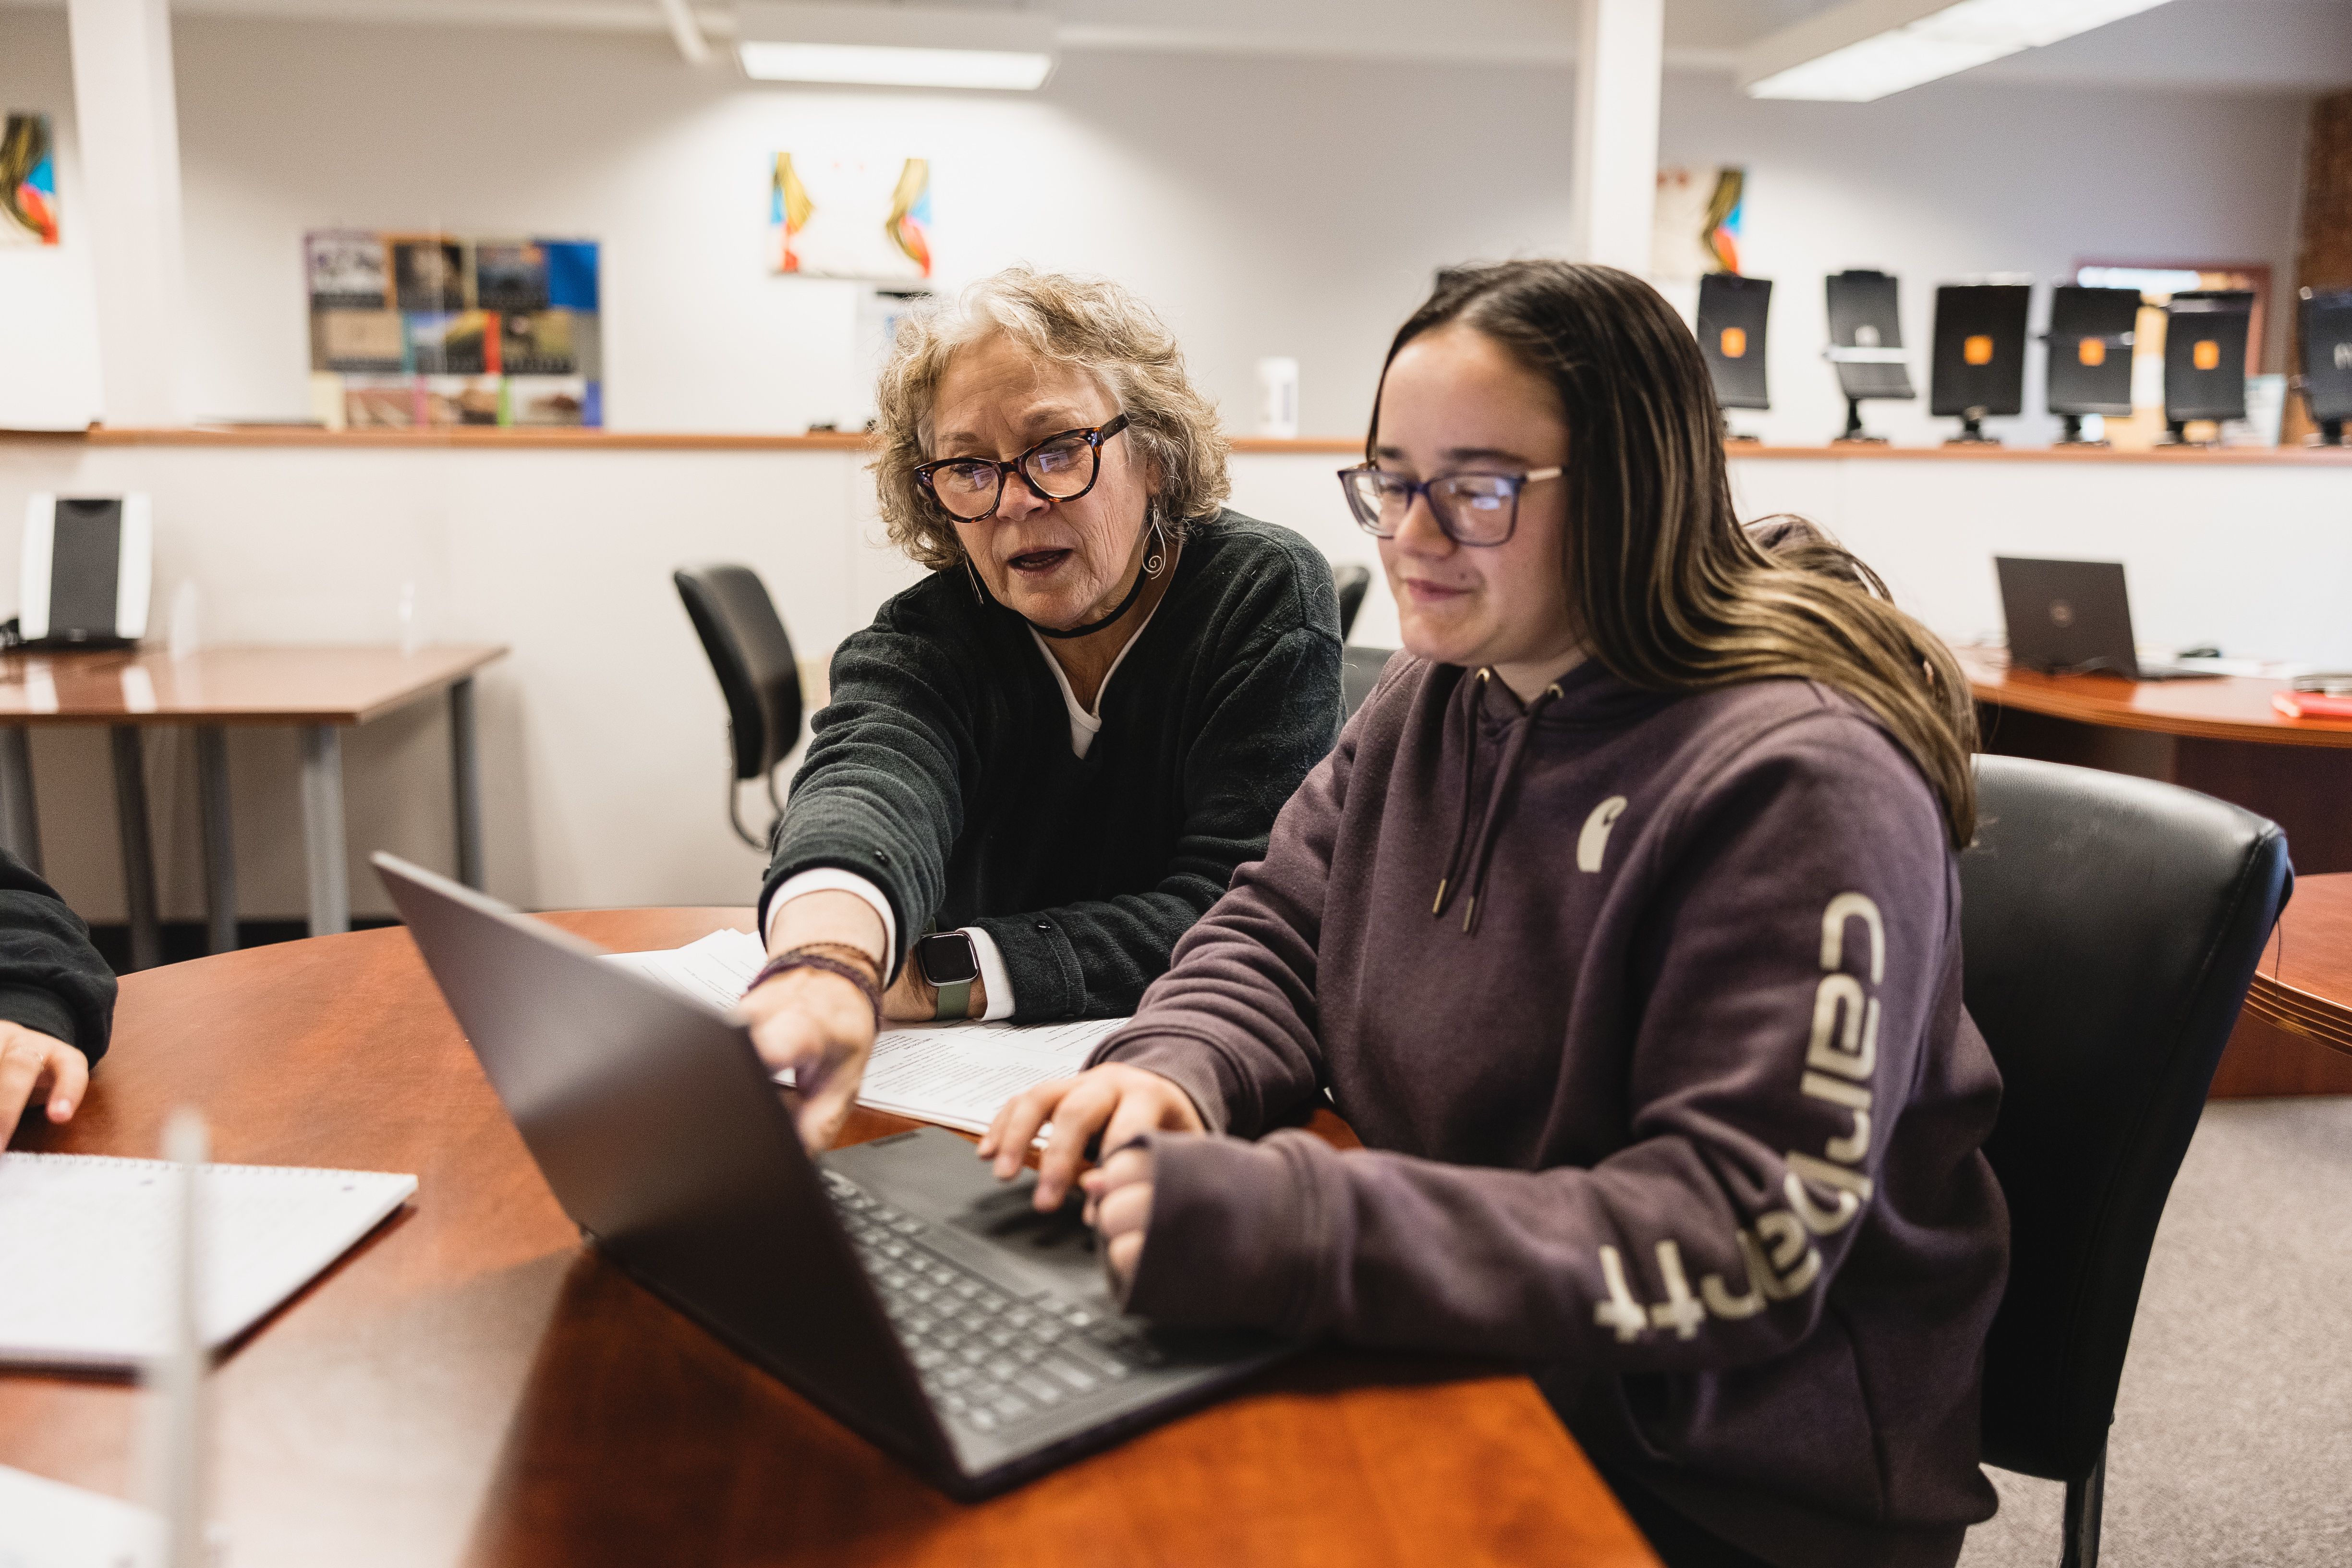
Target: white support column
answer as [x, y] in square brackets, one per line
[1620, 51]
[127, 115]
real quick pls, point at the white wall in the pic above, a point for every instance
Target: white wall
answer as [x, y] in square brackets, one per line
[603, 754]
[1959, 178]
[1269, 206]
[48, 325]
[602, 733]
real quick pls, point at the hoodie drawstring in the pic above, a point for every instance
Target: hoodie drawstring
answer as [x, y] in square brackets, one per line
[1490, 824]
[1469, 775]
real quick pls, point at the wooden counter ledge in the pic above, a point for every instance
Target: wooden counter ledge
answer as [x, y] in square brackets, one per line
[483, 438]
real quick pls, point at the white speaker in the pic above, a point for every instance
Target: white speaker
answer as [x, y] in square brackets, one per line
[87, 569]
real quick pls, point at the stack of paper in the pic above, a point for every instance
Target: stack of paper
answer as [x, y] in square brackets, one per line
[87, 1240]
[953, 1074]
[960, 1075]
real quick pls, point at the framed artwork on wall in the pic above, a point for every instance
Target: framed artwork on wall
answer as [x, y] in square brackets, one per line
[28, 182]
[423, 330]
[850, 216]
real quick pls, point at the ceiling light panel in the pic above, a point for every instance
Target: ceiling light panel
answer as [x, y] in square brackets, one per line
[894, 46]
[1869, 48]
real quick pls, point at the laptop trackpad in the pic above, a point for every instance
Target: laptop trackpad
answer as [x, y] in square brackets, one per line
[979, 1223]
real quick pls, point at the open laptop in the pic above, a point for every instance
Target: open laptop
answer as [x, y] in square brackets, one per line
[895, 1283]
[2074, 617]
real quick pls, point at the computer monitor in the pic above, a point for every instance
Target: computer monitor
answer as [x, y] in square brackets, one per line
[2092, 332]
[1978, 368]
[2325, 326]
[1732, 315]
[1866, 344]
[2205, 356]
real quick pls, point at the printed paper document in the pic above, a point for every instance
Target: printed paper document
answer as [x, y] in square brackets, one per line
[87, 1240]
[952, 1074]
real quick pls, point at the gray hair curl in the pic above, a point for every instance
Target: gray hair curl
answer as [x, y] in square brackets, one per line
[1084, 323]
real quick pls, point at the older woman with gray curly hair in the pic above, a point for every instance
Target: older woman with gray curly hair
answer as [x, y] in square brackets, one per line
[1044, 762]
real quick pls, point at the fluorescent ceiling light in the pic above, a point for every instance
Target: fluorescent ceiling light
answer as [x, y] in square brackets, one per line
[1868, 48]
[894, 46]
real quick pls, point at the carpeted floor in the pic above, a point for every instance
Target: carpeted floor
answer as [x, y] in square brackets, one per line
[2232, 1443]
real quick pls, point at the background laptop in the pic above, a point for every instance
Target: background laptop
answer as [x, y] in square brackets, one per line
[2074, 617]
[895, 1283]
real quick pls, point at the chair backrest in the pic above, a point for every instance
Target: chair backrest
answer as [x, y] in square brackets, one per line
[1352, 583]
[752, 659]
[2111, 926]
[1359, 671]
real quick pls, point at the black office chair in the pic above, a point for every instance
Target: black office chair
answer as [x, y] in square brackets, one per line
[2111, 926]
[1359, 671]
[1353, 582]
[757, 673]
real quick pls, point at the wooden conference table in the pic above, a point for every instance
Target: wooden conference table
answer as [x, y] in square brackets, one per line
[469, 1386]
[319, 691]
[2221, 737]
[2305, 984]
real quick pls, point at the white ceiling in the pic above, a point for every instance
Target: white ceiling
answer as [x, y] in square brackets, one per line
[2261, 46]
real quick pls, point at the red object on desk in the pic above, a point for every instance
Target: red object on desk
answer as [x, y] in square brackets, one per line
[2312, 705]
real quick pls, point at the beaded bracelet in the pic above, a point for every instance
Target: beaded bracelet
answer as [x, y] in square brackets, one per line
[807, 957]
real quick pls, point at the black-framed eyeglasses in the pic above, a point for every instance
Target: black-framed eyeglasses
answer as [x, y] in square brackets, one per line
[1059, 468]
[1472, 509]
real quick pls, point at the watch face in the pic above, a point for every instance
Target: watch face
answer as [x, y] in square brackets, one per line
[948, 958]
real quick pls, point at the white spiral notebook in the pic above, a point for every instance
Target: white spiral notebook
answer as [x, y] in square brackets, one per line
[86, 1241]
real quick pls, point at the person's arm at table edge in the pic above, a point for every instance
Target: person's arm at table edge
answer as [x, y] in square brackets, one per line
[879, 801]
[57, 997]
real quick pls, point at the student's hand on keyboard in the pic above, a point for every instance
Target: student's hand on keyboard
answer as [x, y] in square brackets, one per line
[27, 1059]
[1119, 1206]
[821, 1027]
[1115, 1102]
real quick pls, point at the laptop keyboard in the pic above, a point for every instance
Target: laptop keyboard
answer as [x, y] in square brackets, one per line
[987, 1359]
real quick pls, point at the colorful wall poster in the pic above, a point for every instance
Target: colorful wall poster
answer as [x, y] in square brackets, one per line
[1697, 222]
[412, 331]
[850, 216]
[28, 182]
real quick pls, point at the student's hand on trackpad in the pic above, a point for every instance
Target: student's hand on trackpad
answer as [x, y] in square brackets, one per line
[1119, 1206]
[822, 1027]
[1117, 1102]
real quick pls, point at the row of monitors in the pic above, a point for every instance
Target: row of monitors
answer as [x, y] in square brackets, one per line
[1978, 369]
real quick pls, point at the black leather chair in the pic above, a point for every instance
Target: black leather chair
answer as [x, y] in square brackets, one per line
[1353, 582]
[2111, 926]
[757, 673]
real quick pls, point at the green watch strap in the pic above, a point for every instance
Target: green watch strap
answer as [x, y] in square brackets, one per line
[955, 1001]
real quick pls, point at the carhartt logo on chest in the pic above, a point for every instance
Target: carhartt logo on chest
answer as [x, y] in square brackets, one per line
[1593, 842]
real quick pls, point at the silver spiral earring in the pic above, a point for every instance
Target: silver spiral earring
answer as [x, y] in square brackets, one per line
[1157, 562]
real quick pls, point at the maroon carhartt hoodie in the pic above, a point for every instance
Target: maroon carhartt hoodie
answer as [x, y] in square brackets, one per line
[1647, 1009]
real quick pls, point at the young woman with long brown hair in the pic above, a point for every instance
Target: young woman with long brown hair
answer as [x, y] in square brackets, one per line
[1624, 927]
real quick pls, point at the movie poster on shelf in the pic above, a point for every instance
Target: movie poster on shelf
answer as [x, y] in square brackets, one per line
[28, 182]
[428, 330]
[850, 216]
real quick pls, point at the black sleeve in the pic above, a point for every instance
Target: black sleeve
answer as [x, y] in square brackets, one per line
[51, 978]
[881, 792]
[1271, 719]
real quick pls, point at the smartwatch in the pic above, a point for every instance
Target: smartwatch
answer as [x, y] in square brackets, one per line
[949, 963]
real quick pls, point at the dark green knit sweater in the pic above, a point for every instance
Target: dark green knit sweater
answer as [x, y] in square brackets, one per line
[941, 770]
